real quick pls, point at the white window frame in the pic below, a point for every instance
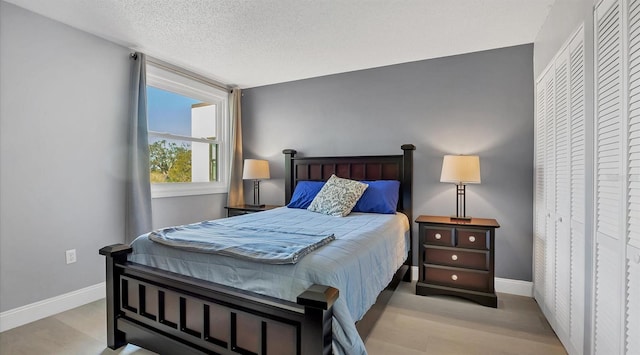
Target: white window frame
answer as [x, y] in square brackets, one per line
[183, 85]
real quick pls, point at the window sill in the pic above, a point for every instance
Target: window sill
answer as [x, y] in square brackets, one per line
[186, 189]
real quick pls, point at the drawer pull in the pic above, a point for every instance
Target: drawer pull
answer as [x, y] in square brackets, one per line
[454, 257]
[454, 277]
[438, 236]
[637, 258]
[472, 239]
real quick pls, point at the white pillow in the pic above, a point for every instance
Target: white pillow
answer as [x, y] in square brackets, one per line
[337, 197]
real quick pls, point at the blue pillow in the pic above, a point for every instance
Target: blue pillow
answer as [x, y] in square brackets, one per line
[304, 193]
[380, 197]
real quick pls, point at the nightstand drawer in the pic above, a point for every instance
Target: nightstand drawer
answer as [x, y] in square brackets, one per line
[472, 239]
[234, 212]
[457, 258]
[240, 210]
[436, 236]
[471, 280]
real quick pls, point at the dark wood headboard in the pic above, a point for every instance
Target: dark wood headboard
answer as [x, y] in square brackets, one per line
[375, 167]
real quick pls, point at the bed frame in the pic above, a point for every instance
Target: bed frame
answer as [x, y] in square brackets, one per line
[174, 314]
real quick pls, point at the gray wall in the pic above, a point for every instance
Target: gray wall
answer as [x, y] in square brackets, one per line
[171, 211]
[479, 103]
[63, 96]
[63, 107]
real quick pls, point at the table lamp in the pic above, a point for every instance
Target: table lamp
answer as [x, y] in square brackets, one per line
[255, 170]
[461, 170]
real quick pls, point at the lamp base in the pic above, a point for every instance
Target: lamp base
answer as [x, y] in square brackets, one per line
[465, 218]
[256, 195]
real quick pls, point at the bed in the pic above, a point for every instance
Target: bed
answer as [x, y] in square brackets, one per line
[175, 309]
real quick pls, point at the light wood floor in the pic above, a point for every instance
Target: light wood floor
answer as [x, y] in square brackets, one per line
[410, 325]
[414, 324]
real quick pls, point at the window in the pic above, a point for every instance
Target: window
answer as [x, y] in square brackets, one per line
[188, 135]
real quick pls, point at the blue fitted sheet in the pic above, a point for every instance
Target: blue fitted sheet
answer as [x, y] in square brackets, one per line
[368, 250]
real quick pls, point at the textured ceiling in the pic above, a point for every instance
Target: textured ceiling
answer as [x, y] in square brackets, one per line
[258, 42]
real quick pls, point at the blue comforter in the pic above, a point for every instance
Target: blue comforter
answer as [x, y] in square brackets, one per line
[368, 249]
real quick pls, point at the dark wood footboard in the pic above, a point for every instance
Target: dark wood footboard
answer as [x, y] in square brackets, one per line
[174, 314]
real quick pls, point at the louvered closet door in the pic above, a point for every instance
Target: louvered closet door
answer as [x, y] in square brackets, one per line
[560, 187]
[562, 197]
[608, 177]
[632, 316]
[550, 189]
[633, 303]
[578, 186]
[541, 215]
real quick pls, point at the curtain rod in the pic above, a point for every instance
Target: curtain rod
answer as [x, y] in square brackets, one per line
[191, 75]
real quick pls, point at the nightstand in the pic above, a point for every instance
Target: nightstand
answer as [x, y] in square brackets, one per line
[246, 209]
[456, 257]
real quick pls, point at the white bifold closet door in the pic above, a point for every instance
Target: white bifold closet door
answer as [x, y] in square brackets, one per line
[550, 192]
[608, 177]
[559, 246]
[617, 164]
[577, 178]
[540, 210]
[562, 197]
[632, 308]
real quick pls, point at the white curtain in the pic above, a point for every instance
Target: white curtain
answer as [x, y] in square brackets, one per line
[138, 188]
[236, 190]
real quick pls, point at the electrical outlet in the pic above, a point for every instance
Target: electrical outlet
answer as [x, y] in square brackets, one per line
[71, 256]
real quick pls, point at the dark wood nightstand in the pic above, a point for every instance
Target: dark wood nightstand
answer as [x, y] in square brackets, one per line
[246, 209]
[456, 257]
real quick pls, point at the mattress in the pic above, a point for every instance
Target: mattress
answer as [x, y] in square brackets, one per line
[360, 262]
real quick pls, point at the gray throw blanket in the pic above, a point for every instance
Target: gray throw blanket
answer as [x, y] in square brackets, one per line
[261, 245]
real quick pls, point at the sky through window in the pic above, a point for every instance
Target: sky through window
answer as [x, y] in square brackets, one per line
[169, 112]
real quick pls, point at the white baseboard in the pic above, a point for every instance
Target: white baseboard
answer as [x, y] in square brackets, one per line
[414, 273]
[514, 287]
[45, 308]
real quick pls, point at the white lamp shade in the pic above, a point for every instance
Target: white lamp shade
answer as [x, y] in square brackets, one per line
[461, 169]
[255, 169]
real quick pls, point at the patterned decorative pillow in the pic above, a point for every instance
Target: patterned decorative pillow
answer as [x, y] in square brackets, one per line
[337, 197]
